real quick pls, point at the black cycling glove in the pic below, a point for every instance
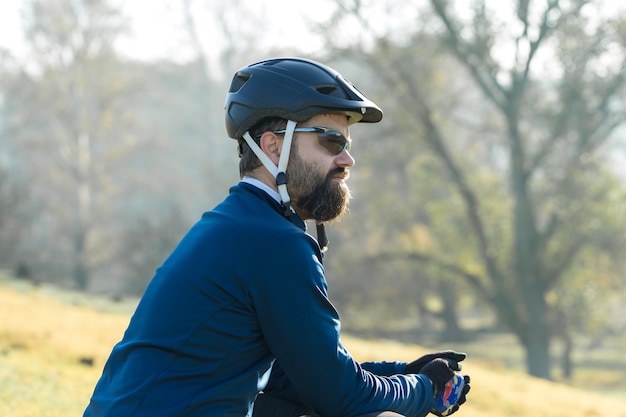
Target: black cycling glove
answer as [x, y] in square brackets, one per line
[450, 388]
[453, 358]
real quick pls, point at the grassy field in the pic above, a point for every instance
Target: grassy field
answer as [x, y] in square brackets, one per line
[48, 338]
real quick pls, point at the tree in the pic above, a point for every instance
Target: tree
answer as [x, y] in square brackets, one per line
[108, 142]
[74, 86]
[558, 94]
[13, 221]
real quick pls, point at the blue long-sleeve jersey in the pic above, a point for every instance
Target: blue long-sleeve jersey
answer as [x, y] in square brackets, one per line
[244, 288]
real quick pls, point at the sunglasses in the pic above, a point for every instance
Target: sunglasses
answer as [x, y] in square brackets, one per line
[331, 140]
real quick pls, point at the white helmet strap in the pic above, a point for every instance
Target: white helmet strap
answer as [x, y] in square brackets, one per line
[279, 172]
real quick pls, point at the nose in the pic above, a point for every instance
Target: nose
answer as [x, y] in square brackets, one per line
[344, 159]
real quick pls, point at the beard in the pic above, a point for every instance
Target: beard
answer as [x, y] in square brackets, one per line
[314, 195]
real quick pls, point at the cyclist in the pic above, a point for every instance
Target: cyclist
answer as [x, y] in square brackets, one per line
[237, 321]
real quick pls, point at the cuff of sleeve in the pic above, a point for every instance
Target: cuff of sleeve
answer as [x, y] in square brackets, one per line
[429, 391]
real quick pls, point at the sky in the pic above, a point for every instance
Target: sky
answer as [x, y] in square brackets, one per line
[10, 31]
[156, 27]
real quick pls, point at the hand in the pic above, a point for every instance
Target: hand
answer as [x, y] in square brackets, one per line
[453, 358]
[450, 388]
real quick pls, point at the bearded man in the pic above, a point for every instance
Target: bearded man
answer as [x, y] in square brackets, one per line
[237, 321]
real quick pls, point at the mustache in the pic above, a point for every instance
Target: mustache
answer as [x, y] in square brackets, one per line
[335, 171]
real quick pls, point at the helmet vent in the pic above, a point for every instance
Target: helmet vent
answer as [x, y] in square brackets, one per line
[238, 81]
[329, 90]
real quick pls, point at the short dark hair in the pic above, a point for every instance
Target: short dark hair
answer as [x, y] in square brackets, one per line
[249, 161]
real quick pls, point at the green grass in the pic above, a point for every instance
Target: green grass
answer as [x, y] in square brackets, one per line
[44, 334]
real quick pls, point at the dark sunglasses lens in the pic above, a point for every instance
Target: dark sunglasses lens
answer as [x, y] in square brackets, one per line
[333, 141]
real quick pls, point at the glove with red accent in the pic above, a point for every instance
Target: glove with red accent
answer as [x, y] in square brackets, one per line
[449, 387]
[453, 358]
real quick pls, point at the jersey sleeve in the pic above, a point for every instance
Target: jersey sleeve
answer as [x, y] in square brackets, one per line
[302, 329]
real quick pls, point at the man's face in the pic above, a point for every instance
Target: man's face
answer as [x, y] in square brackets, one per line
[316, 176]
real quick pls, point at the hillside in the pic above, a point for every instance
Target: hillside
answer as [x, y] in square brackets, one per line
[53, 346]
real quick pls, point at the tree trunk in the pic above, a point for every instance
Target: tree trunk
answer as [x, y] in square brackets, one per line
[538, 353]
[538, 335]
[449, 314]
[83, 212]
[567, 365]
[80, 273]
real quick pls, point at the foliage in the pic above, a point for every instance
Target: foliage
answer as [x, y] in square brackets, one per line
[112, 143]
[13, 221]
[80, 124]
[519, 189]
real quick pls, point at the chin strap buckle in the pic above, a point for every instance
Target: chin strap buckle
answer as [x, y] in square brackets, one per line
[281, 183]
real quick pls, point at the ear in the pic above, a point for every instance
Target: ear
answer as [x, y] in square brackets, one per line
[271, 144]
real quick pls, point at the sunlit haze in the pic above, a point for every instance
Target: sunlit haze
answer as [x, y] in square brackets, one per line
[156, 27]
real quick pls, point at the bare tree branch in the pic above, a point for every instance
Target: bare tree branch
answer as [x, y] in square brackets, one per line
[484, 77]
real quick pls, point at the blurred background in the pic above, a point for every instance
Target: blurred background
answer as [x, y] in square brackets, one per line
[489, 204]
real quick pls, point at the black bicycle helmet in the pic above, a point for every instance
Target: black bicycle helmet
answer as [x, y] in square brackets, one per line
[294, 89]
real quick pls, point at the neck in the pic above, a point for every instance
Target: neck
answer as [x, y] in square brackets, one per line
[262, 186]
[263, 175]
